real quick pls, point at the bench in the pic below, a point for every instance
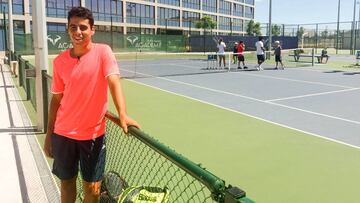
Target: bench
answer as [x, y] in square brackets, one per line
[298, 56]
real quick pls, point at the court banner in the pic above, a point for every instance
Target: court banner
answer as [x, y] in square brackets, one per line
[60, 41]
[57, 42]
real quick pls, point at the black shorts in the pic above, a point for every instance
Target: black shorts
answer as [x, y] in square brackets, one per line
[68, 153]
[260, 58]
[241, 58]
[277, 58]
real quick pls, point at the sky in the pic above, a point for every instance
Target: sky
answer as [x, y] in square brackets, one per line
[305, 11]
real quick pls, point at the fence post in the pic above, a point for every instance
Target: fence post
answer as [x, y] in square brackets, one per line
[316, 37]
[343, 39]
[45, 98]
[283, 30]
[19, 60]
[166, 37]
[312, 57]
[27, 82]
[355, 36]
[111, 32]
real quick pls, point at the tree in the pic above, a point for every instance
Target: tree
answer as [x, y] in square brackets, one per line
[276, 30]
[300, 32]
[324, 33]
[206, 23]
[253, 28]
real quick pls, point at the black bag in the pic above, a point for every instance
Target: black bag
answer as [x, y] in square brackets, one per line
[111, 187]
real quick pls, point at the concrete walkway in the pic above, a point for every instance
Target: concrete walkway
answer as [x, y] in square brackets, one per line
[24, 173]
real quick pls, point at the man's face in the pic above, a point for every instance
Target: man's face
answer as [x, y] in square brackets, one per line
[80, 31]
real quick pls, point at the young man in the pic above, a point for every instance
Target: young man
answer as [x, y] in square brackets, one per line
[221, 52]
[241, 57]
[260, 52]
[277, 53]
[76, 125]
[235, 55]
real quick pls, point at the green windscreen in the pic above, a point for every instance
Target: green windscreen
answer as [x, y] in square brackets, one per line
[59, 41]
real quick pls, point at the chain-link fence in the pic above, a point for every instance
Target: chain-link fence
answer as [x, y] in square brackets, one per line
[143, 161]
[340, 36]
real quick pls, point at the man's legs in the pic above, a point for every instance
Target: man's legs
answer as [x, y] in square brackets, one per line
[92, 164]
[91, 191]
[65, 166]
[68, 190]
[260, 59]
[243, 62]
[259, 64]
[222, 58]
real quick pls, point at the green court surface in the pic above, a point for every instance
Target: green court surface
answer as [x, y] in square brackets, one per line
[271, 163]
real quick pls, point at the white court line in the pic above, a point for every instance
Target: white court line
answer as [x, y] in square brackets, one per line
[252, 116]
[311, 95]
[295, 80]
[163, 64]
[254, 99]
[312, 69]
[320, 69]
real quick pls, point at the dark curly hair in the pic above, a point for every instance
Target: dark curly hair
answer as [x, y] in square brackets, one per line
[81, 12]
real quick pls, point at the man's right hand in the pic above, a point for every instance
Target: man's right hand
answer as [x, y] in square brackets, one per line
[48, 146]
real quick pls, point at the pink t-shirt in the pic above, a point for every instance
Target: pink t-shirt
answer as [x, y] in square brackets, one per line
[83, 83]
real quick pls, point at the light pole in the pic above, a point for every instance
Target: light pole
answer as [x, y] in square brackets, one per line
[270, 27]
[5, 31]
[337, 30]
[358, 2]
[11, 29]
[356, 30]
[353, 30]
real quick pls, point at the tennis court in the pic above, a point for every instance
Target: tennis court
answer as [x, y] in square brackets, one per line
[282, 135]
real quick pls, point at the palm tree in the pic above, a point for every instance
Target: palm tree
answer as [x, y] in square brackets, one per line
[253, 28]
[276, 30]
[206, 23]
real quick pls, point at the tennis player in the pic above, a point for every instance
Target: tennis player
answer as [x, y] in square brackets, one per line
[76, 125]
[260, 52]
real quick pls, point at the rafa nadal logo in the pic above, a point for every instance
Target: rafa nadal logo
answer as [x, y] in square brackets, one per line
[54, 40]
[58, 42]
[132, 39]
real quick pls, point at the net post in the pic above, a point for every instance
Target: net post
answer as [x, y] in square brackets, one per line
[229, 60]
